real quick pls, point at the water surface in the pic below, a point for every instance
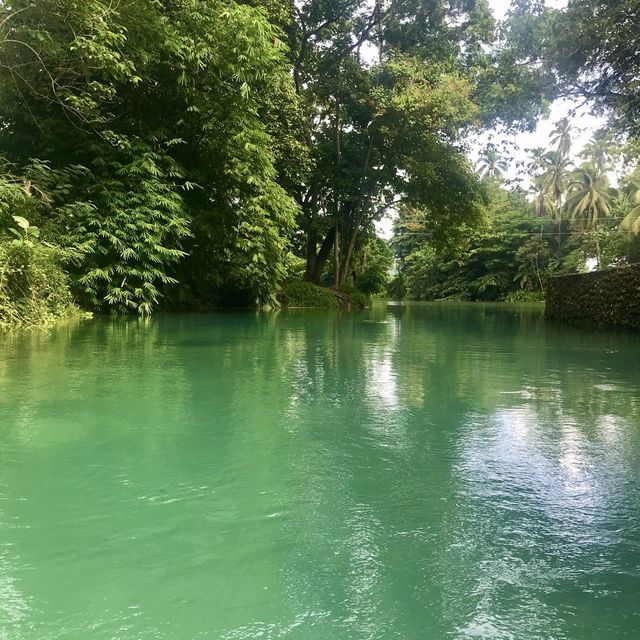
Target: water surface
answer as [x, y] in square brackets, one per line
[410, 472]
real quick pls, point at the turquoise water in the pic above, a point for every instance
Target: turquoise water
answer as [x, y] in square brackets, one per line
[411, 472]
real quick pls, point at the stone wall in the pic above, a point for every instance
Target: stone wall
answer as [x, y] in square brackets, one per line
[609, 298]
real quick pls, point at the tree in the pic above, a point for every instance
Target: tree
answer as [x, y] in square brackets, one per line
[372, 265]
[601, 151]
[561, 137]
[594, 46]
[631, 189]
[490, 164]
[384, 133]
[589, 201]
[556, 171]
[554, 180]
[544, 205]
[537, 159]
[509, 253]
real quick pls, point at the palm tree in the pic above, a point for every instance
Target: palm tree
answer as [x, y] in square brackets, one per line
[631, 221]
[561, 136]
[556, 172]
[601, 152]
[554, 179]
[537, 159]
[491, 164]
[589, 200]
[544, 205]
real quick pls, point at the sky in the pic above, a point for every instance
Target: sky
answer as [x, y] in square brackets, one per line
[584, 125]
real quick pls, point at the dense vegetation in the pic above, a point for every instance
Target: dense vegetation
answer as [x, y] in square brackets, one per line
[199, 153]
[570, 218]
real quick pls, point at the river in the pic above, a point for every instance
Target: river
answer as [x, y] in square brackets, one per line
[425, 471]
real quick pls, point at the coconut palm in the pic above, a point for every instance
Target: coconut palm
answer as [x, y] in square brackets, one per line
[556, 171]
[561, 136]
[491, 164]
[631, 192]
[543, 203]
[601, 152]
[589, 200]
[536, 163]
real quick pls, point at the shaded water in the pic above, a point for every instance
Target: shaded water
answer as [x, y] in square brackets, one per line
[425, 471]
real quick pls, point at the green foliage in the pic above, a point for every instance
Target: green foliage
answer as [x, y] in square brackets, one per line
[510, 252]
[388, 132]
[512, 86]
[359, 300]
[629, 202]
[575, 217]
[522, 295]
[491, 165]
[307, 294]
[34, 288]
[171, 147]
[594, 47]
[371, 267]
[167, 126]
[131, 231]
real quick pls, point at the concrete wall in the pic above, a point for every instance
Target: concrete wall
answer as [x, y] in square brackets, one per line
[609, 298]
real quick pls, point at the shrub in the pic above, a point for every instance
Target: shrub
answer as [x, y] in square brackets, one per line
[360, 300]
[306, 294]
[34, 288]
[523, 295]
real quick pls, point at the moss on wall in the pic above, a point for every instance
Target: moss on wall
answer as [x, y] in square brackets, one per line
[609, 298]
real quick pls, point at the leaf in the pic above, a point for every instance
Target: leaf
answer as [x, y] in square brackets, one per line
[23, 223]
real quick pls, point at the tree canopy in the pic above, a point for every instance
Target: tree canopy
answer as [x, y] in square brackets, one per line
[160, 117]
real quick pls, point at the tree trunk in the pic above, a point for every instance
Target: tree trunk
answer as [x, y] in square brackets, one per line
[312, 254]
[347, 256]
[337, 279]
[316, 260]
[352, 243]
[336, 197]
[364, 199]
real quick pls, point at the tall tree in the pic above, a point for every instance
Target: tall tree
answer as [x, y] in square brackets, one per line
[554, 180]
[631, 191]
[544, 205]
[601, 151]
[387, 90]
[536, 163]
[491, 164]
[561, 136]
[556, 170]
[589, 201]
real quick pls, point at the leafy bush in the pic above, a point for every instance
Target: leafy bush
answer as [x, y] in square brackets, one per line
[34, 288]
[522, 295]
[372, 265]
[306, 294]
[360, 300]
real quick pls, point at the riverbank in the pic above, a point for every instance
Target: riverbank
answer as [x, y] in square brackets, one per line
[306, 295]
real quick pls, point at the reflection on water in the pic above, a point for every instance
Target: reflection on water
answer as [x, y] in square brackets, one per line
[418, 471]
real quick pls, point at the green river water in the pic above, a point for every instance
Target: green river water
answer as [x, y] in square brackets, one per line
[410, 472]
